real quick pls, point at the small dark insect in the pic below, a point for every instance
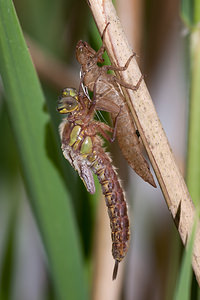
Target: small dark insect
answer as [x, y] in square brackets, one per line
[137, 132]
[83, 148]
[109, 98]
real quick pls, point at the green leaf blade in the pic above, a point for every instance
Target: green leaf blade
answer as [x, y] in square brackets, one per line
[183, 286]
[48, 194]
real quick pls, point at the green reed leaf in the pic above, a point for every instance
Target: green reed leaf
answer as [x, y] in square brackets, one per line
[35, 143]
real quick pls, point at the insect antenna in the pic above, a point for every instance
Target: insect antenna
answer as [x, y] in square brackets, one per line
[115, 270]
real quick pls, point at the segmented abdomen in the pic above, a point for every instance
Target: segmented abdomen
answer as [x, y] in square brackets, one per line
[96, 159]
[116, 203]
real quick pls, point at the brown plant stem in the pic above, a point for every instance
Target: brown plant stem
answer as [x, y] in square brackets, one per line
[153, 136]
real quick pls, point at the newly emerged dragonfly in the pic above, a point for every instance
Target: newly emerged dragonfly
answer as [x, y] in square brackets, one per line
[109, 97]
[83, 148]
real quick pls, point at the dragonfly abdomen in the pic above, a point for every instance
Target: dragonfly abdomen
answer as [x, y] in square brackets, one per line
[116, 204]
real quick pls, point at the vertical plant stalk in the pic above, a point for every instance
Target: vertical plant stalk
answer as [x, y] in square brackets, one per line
[155, 141]
[193, 167]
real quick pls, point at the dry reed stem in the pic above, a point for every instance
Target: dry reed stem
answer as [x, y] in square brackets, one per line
[155, 141]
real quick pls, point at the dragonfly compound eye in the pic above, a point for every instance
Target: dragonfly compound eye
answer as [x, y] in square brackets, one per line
[69, 92]
[67, 105]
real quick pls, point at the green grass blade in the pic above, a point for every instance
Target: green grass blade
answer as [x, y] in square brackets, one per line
[193, 170]
[193, 163]
[197, 12]
[190, 13]
[187, 12]
[184, 283]
[8, 259]
[44, 183]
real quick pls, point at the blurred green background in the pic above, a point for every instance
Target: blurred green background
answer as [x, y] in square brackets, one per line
[55, 237]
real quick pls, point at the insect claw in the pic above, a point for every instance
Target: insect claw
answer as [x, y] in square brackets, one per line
[102, 36]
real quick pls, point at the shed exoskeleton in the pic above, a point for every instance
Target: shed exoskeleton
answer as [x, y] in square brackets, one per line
[109, 97]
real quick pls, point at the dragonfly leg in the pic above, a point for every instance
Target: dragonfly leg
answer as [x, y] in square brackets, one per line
[115, 125]
[100, 52]
[104, 31]
[102, 127]
[116, 68]
[127, 85]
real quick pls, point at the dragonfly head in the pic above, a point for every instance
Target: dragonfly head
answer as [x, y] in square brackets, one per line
[68, 101]
[85, 53]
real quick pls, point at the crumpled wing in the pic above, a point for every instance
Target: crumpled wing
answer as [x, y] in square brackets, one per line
[87, 177]
[80, 165]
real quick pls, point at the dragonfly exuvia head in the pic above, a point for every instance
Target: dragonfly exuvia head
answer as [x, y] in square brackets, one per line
[84, 52]
[68, 101]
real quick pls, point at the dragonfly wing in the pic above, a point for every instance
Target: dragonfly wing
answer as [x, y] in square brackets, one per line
[87, 177]
[84, 172]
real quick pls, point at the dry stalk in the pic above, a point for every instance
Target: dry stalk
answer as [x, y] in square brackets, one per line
[153, 136]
